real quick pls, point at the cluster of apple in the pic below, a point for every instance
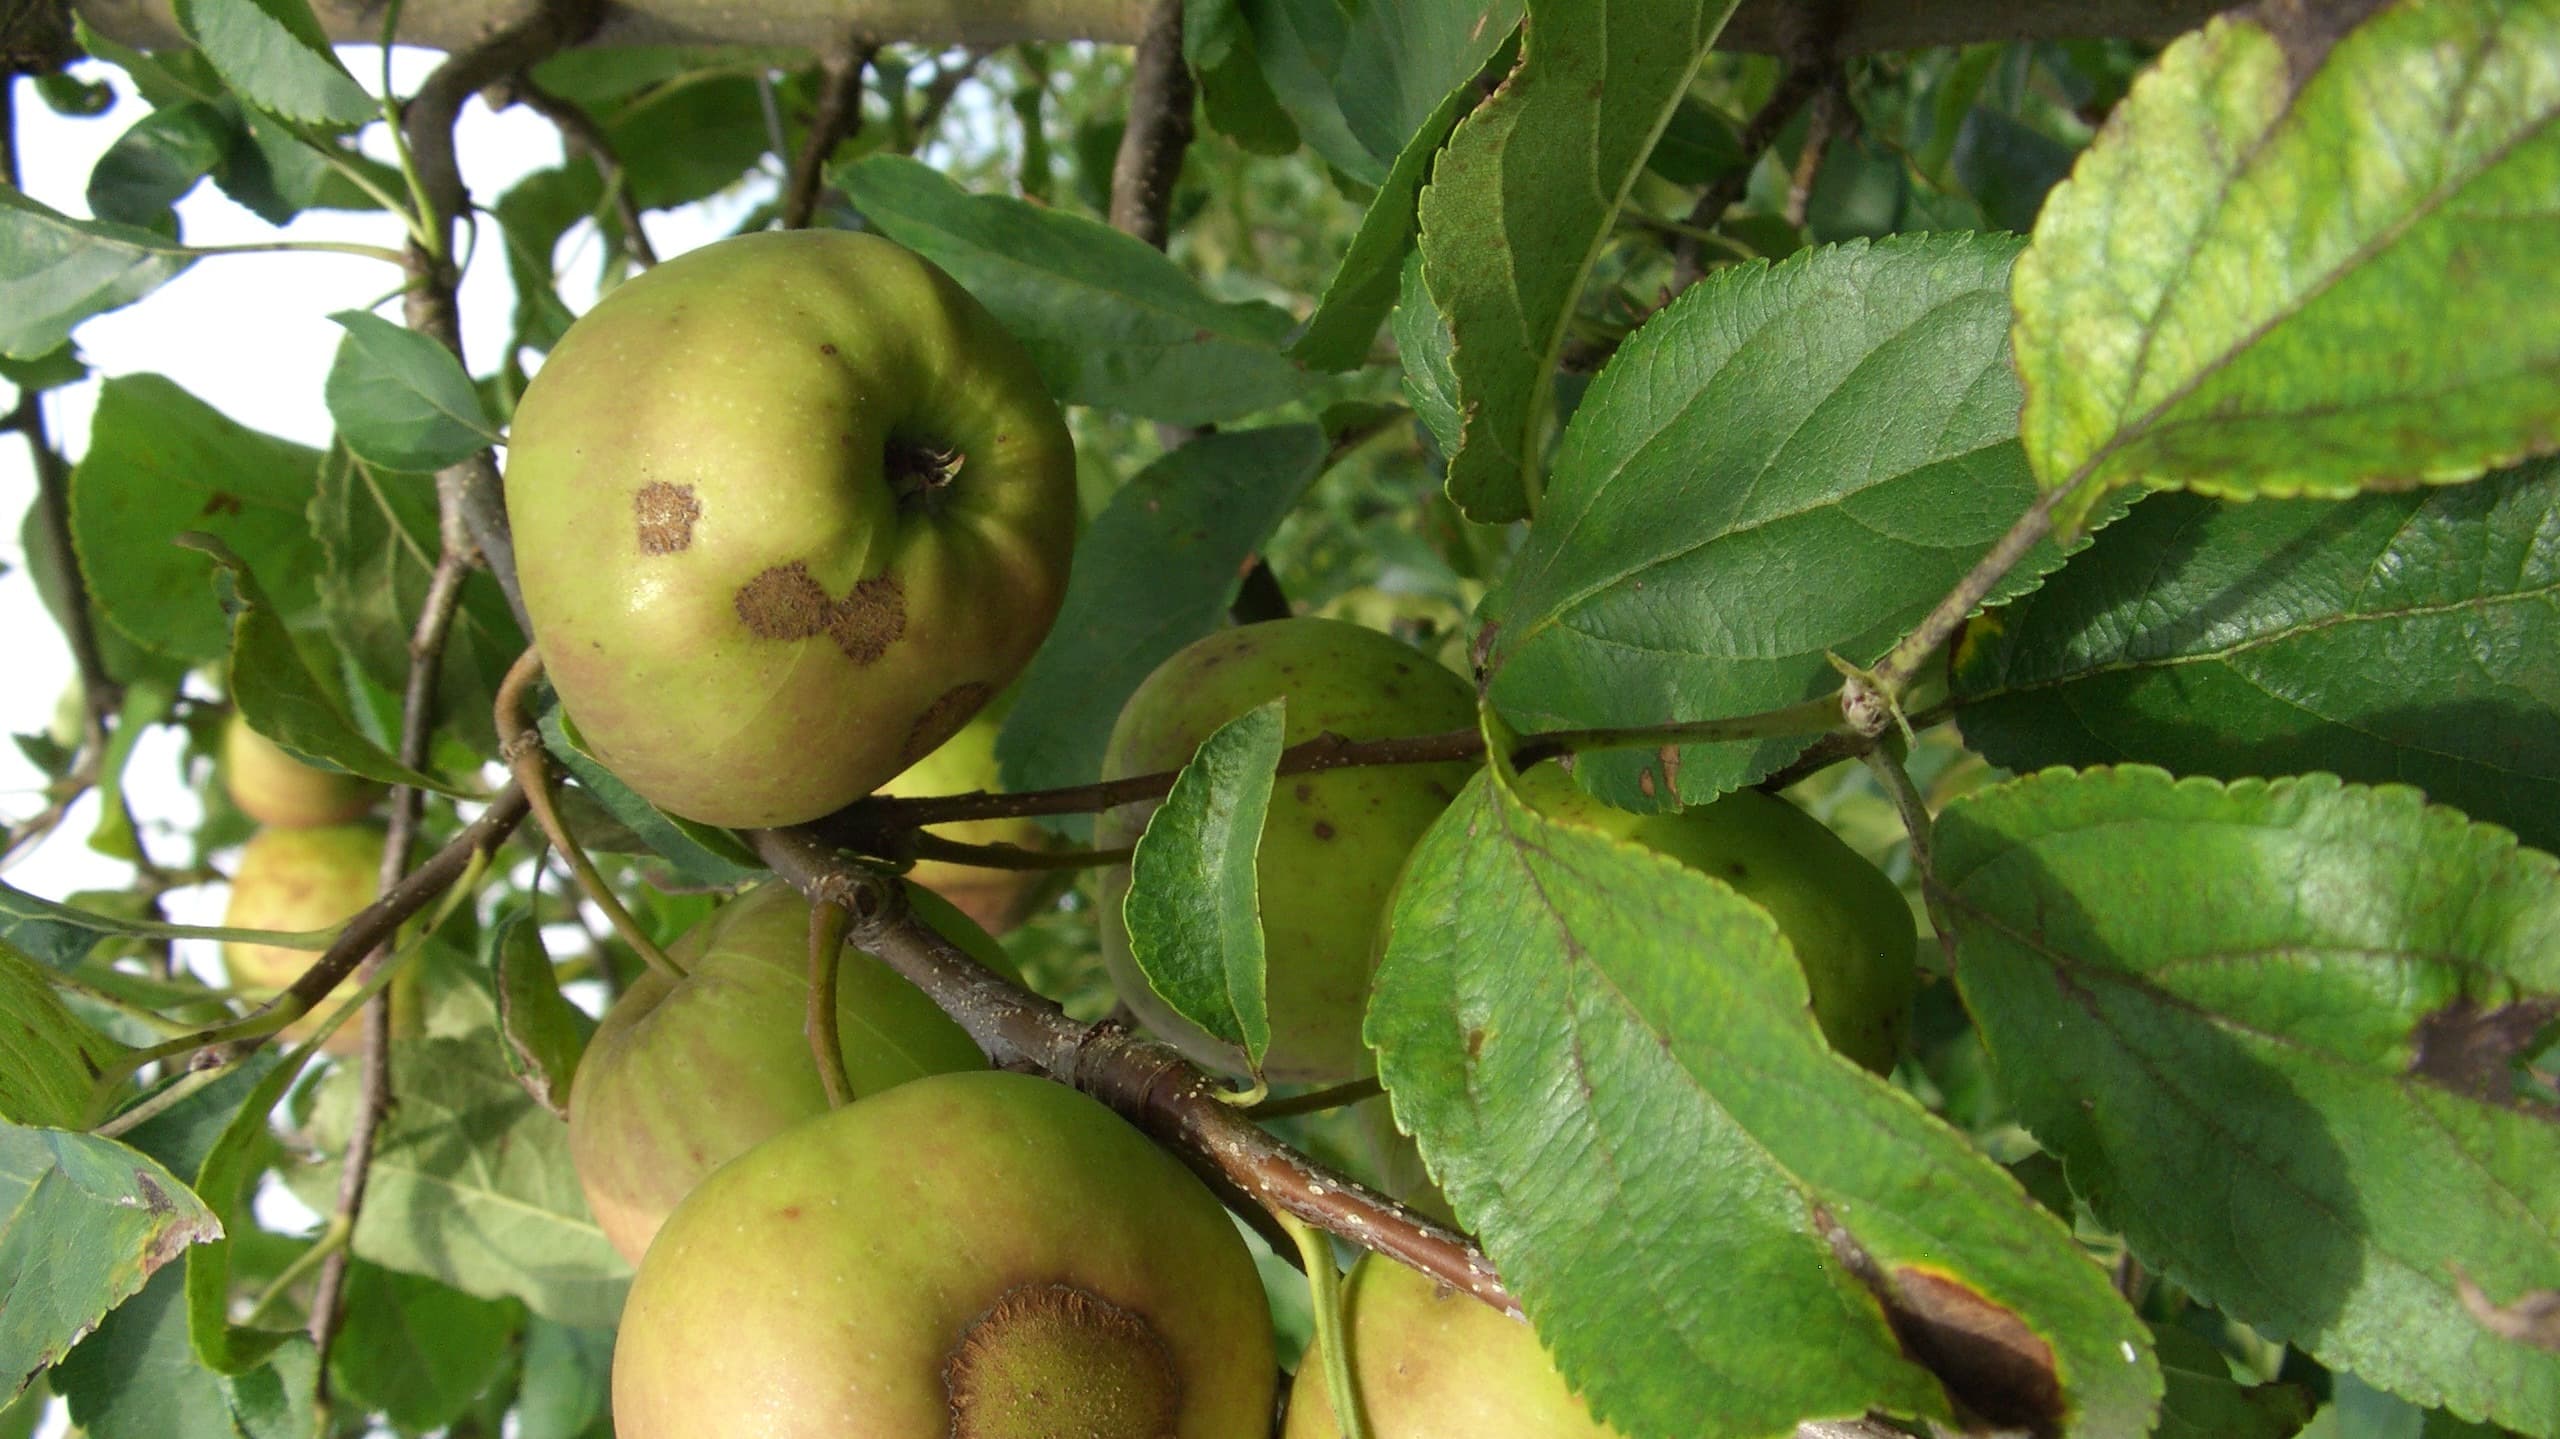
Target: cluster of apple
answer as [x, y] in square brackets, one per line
[314, 861]
[790, 511]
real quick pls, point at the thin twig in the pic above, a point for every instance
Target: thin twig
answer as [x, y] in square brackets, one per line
[408, 808]
[520, 746]
[1315, 1100]
[1159, 130]
[1832, 118]
[837, 119]
[936, 95]
[1758, 133]
[1014, 856]
[827, 924]
[1147, 1082]
[1894, 672]
[582, 138]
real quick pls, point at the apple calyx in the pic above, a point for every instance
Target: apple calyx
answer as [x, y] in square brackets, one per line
[1050, 1359]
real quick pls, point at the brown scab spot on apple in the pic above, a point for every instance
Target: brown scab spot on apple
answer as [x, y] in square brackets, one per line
[1324, 829]
[943, 718]
[786, 602]
[665, 514]
[870, 619]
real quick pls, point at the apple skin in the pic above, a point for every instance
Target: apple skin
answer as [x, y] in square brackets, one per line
[272, 787]
[814, 1287]
[1332, 843]
[998, 899]
[304, 878]
[750, 617]
[1852, 934]
[1434, 1363]
[684, 1075]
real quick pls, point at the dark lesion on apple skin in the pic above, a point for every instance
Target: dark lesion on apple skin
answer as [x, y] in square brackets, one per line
[786, 602]
[944, 718]
[665, 514]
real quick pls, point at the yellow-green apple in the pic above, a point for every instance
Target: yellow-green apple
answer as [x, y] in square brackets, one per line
[1332, 843]
[987, 1255]
[273, 787]
[686, 1074]
[787, 511]
[294, 879]
[998, 899]
[1430, 1362]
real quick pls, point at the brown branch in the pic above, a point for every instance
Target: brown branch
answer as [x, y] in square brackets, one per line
[472, 488]
[1854, 27]
[1012, 856]
[1758, 133]
[582, 138]
[1158, 133]
[408, 808]
[1150, 1084]
[1833, 118]
[936, 95]
[837, 119]
[865, 823]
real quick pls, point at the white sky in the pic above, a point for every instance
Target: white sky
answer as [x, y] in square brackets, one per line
[249, 335]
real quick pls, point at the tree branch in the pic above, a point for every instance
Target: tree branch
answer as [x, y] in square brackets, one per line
[837, 119]
[582, 137]
[1159, 130]
[1758, 134]
[1147, 1082]
[1853, 27]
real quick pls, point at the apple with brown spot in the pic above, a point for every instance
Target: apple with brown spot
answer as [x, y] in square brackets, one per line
[787, 510]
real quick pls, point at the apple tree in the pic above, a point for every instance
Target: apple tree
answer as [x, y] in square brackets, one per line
[1847, 713]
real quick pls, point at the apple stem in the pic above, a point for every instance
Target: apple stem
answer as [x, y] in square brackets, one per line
[1332, 1337]
[1316, 1100]
[827, 924]
[521, 746]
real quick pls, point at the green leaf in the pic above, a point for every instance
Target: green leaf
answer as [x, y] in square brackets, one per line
[2289, 268]
[156, 161]
[1537, 176]
[1364, 286]
[146, 703]
[472, 1185]
[1359, 80]
[2396, 637]
[2200, 1399]
[239, 1154]
[1195, 920]
[2275, 1030]
[379, 542]
[277, 693]
[686, 142]
[1664, 1090]
[1157, 570]
[136, 1379]
[58, 935]
[274, 53]
[401, 400]
[55, 368]
[49, 1059]
[56, 271]
[1234, 98]
[701, 854]
[541, 1034]
[418, 1351]
[83, 1223]
[161, 463]
[568, 1380]
[532, 218]
[1110, 321]
[1423, 346]
[1789, 462]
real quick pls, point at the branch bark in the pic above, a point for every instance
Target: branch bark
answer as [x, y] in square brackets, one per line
[1150, 1084]
[1852, 27]
[1158, 133]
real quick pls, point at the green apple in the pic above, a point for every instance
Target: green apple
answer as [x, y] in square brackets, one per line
[684, 1075]
[987, 1255]
[1331, 844]
[787, 511]
[998, 899]
[1851, 932]
[273, 787]
[306, 878]
[1433, 1363]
